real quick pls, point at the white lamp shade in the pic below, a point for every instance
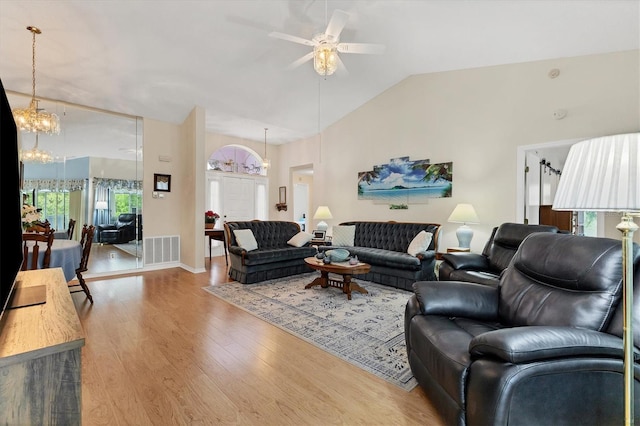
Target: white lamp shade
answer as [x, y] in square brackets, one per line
[322, 213]
[464, 213]
[601, 174]
[101, 205]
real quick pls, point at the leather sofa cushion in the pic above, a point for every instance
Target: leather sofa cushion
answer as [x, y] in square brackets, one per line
[442, 343]
[263, 256]
[387, 258]
[585, 279]
[268, 234]
[394, 236]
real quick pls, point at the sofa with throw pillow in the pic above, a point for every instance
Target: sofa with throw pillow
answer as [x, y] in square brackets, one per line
[263, 250]
[400, 253]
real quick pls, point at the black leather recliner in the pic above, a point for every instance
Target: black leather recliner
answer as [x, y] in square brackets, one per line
[486, 268]
[120, 232]
[542, 348]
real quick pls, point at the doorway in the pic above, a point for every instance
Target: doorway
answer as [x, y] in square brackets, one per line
[539, 168]
[302, 182]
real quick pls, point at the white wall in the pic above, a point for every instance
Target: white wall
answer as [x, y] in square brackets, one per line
[475, 118]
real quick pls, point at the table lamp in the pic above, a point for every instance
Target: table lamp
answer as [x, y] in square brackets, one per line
[322, 213]
[101, 206]
[603, 174]
[464, 213]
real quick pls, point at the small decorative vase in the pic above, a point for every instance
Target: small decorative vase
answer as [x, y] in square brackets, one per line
[209, 225]
[353, 260]
[327, 260]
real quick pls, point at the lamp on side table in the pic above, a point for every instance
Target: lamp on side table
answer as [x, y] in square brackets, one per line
[464, 213]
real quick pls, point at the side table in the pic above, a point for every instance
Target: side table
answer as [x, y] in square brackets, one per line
[218, 235]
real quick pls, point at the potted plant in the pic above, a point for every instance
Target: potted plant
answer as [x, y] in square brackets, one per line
[210, 219]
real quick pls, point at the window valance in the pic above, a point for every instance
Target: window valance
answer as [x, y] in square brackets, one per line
[118, 184]
[54, 185]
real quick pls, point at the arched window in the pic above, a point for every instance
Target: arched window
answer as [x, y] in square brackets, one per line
[236, 159]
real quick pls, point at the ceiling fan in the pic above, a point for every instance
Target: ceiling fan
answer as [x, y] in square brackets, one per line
[326, 46]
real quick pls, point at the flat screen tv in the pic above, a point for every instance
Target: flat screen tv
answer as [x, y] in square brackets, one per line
[11, 211]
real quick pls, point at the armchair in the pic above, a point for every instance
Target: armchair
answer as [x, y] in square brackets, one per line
[543, 347]
[486, 268]
[122, 231]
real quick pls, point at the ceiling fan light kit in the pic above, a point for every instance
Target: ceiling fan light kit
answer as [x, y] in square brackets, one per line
[326, 46]
[325, 58]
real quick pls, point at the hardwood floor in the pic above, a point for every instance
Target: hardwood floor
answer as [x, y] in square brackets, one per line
[161, 351]
[108, 258]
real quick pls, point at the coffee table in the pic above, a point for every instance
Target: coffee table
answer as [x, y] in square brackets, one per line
[340, 268]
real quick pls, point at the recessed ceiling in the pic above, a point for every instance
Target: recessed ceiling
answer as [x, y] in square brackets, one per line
[160, 59]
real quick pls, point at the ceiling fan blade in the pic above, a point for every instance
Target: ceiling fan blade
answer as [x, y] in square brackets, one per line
[294, 39]
[342, 69]
[336, 24]
[300, 61]
[367, 48]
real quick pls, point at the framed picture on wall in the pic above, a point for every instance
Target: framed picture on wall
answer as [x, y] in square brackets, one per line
[161, 183]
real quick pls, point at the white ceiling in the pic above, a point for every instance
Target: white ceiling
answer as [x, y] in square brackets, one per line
[158, 59]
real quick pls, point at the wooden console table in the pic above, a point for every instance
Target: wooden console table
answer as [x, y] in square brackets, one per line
[40, 356]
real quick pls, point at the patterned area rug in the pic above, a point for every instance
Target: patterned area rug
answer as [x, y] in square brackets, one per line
[366, 331]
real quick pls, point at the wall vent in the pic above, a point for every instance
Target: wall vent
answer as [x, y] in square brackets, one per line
[165, 249]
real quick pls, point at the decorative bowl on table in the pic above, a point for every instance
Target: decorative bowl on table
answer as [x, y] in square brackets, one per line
[337, 255]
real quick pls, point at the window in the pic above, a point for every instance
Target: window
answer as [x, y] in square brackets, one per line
[55, 207]
[591, 224]
[126, 202]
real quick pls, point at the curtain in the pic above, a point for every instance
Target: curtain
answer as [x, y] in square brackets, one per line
[103, 188]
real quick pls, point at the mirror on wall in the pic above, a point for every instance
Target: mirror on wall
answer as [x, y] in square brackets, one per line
[92, 173]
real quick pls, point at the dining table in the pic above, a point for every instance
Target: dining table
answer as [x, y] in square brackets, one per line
[65, 254]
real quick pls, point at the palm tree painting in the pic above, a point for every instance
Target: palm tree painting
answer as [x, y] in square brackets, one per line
[403, 181]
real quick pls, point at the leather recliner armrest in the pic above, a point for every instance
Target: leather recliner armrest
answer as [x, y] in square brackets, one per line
[426, 255]
[456, 298]
[473, 261]
[535, 343]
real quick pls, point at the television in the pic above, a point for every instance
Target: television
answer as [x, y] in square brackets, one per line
[11, 212]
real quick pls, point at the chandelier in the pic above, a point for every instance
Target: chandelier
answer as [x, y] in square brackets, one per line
[266, 163]
[36, 155]
[325, 58]
[32, 118]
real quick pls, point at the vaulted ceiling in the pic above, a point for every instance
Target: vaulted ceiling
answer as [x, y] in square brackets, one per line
[159, 59]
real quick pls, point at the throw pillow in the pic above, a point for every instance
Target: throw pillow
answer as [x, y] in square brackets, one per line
[245, 239]
[420, 243]
[300, 239]
[343, 235]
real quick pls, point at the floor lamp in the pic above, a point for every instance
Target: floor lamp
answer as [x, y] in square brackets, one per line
[603, 174]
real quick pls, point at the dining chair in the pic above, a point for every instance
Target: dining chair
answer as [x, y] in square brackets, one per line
[71, 228]
[32, 251]
[41, 227]
[86, 240]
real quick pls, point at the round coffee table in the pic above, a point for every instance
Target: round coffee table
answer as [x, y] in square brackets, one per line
[340, 268]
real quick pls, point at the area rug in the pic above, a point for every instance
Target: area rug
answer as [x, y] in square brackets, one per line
[133, 248]
[366, 331]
